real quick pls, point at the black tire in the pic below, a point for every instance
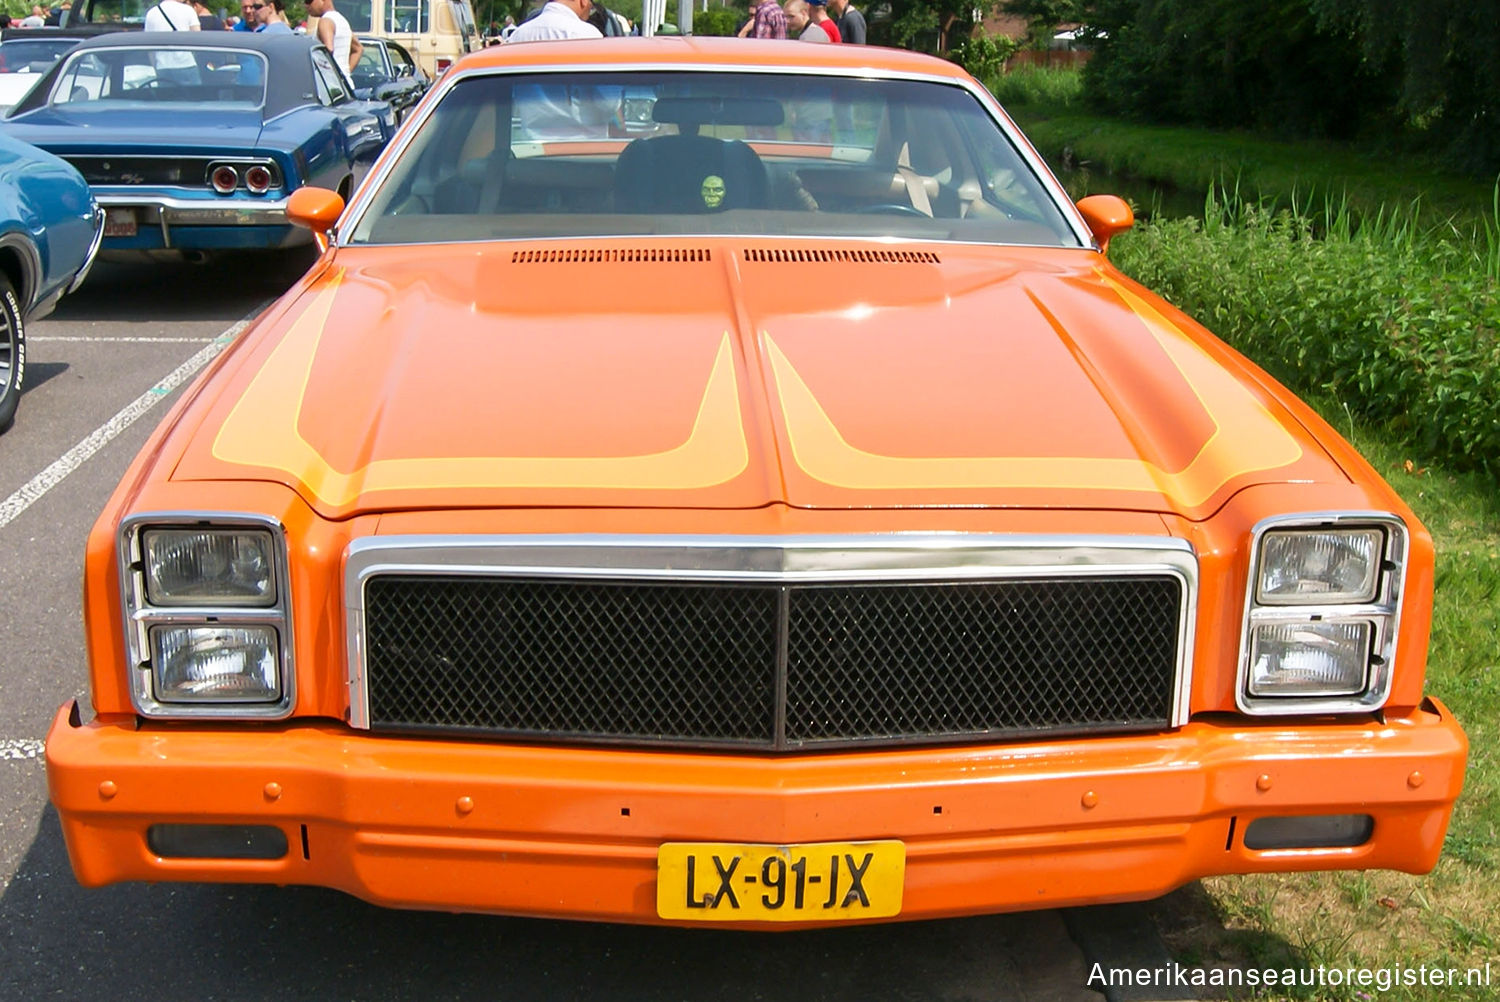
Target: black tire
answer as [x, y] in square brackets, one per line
[12, 353]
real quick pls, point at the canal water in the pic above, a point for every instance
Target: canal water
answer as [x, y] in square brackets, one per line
[1148, 199]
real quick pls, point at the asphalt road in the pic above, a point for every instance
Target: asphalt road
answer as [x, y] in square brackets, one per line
[101, 371]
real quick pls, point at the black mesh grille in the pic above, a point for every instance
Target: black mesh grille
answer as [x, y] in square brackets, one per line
[892, 661]
[573, 659]
[696, 663]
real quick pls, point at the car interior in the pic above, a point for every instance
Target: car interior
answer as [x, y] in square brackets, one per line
[508, 155]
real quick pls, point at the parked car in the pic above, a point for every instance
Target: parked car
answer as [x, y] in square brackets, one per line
[193, 140]
[786, 516]
[387, 72]
[435, 32]
[50, 229]
[24, 60]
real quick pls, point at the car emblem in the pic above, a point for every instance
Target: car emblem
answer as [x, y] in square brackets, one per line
[132, 178]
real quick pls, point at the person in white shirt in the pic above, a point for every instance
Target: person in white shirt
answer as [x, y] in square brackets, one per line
[172, 15]
[335, 33]
[559, 19]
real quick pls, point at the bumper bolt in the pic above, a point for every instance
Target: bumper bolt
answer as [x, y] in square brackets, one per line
[1090, 799]
[1415, 780]
[464, 805]
[1263, 782]
[273, 791]
[108, 789]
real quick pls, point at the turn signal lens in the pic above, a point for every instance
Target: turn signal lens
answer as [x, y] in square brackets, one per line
[225, 179]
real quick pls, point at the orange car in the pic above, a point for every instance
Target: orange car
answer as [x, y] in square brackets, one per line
[722, 481]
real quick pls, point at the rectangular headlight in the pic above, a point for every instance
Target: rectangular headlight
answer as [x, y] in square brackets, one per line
[1309, 659]
[238, 664]
[1332, 566]
[193, 566]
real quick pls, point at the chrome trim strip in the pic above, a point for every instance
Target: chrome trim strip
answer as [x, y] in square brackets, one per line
[357, 207]
[1384, 615]
[768, 559]
[183, 208]
[94, 245]
[140, 616]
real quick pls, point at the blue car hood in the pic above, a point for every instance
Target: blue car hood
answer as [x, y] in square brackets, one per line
[156, 126]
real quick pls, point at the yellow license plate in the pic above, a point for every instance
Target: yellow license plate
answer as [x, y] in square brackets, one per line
[727, 882]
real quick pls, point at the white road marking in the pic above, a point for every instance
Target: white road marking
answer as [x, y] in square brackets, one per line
[123, 339]
[39, 485]
[16, 749]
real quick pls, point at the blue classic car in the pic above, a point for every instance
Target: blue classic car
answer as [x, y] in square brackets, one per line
[49, 233]
[192, 141]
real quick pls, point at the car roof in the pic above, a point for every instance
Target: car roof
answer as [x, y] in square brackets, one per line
[691, 51]
[291, 80]
[259, 41]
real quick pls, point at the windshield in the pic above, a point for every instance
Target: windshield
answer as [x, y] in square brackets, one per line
[514, 156]
[201, 76]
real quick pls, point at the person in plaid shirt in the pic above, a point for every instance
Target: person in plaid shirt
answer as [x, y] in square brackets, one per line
[768, 22]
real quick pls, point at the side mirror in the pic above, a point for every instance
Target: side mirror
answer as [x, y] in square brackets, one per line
[316, 209]
[1106, 215]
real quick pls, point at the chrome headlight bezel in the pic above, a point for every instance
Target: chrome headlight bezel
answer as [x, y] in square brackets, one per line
[143, 615]
[1377, 608]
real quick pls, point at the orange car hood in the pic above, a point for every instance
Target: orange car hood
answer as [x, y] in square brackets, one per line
[718, 374]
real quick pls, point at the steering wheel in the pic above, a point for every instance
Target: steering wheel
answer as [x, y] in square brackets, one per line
[892, 209]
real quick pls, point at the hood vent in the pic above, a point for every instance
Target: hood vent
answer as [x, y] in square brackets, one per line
[600, 255]
[842, 257]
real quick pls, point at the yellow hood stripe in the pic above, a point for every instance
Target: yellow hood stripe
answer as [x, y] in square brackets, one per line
[1246, 438]
[261, 430]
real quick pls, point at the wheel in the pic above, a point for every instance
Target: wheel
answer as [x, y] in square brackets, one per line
[12, 353]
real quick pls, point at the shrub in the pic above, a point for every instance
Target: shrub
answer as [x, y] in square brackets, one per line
[984, 56]
[1396, 327]
[721, 21]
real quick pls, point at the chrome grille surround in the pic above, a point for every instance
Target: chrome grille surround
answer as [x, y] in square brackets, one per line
[828, 568]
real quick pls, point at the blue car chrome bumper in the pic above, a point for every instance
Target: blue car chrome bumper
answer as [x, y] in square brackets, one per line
[140, 220]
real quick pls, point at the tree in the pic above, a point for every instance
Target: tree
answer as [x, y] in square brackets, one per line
[1272, 64]
[1043, 17]
[932, 25]
[1446, 54]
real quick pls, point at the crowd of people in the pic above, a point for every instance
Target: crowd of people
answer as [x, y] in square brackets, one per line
[268, 16]
[808, 20]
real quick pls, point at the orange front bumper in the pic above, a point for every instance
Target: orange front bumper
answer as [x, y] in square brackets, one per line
[571, 832]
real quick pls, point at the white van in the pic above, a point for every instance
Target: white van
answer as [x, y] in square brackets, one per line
[436, 32]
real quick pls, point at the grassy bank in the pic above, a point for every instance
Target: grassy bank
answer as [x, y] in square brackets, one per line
[1377, 301]
[1048, 104]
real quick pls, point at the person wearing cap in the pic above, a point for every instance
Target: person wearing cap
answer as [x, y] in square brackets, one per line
[819, 11]
[851, 21]
[559, 19]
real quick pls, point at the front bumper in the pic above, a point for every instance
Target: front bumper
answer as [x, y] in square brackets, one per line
[574, 833]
